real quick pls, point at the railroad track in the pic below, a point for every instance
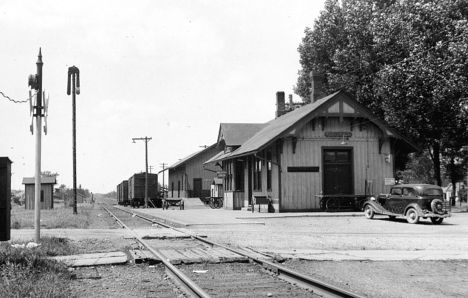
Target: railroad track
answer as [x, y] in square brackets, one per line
[304, 286]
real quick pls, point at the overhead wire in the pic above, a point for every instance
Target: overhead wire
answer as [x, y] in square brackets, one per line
[13, 100]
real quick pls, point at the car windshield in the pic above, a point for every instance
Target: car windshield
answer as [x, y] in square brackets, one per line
[432, 192]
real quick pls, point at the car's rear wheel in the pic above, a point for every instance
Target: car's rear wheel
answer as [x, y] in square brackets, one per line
[412, 216]
[369, 212]
[437, 220]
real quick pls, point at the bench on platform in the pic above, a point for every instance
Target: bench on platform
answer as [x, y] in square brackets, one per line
[260, 200]
[341, 202]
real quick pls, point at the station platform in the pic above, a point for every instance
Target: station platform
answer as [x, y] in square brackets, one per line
[193, 215]
[196, 213]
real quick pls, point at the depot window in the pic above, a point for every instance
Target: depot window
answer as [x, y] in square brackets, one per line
[268, 158]
[257, 174]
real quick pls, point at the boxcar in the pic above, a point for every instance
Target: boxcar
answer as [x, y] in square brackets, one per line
[136, 190]
[123, 193]
[119, 199]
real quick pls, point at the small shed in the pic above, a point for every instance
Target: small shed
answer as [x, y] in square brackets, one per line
[47, 192]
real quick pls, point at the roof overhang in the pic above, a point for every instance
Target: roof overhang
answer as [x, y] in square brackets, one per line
[284, 127]
[188, 158]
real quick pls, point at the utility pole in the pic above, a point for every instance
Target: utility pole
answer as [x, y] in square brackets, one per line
[35, 82]
[150, 168]
[146, 139]
[464, 108]
[74, 75]
[163, 169]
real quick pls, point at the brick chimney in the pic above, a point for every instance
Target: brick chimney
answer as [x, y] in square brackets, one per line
[316, 86]
[280, 106]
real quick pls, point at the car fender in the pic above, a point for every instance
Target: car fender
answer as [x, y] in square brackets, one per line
[375, 206]
[416, 207]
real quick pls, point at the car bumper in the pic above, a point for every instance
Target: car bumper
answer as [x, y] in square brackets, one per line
[430, 214]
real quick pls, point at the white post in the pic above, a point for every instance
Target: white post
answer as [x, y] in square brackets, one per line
[38, 113]
[37, 185]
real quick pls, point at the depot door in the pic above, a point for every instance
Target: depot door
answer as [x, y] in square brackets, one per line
[197, 187]
[337, 171]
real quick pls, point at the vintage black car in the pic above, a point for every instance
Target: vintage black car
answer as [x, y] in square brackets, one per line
[414, 201]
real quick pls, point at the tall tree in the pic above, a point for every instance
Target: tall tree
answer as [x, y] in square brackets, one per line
[406, 60]
[421, 93]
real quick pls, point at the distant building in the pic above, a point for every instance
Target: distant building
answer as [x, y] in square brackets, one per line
[189, 178]
[47, 192]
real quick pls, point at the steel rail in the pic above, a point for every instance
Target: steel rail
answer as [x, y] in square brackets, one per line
[189, 286]
[292, 276]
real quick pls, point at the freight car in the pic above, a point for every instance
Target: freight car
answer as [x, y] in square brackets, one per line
[136, 190]
[122, 193]
[119, 200]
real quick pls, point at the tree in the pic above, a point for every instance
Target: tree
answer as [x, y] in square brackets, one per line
[49, 174]
[342, 47]
[421, 94]
[418, 169]
[406, 60]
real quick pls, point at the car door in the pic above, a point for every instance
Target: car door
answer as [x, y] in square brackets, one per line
[409, 195]
[395, 199]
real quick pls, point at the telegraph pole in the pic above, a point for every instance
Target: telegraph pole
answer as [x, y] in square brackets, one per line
[35, 82]
[163, 169]
[74, 75]
[146, 139]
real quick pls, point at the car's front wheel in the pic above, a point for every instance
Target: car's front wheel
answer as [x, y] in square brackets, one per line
[369, 212]
[412, 216]
[437, 220]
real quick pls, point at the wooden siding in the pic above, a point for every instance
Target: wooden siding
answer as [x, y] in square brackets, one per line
[299, 190]
[48, 202]
[193, 169]
[176, 176]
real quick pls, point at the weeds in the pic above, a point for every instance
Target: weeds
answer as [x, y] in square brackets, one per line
[57, 218]
[29, 273]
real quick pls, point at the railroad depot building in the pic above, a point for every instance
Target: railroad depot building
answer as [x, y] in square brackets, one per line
[230, 137]
[189, 178]
[332, 146]
[47, 192]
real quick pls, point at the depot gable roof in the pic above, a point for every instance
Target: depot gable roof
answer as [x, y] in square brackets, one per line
[284, 124]
[235, 134]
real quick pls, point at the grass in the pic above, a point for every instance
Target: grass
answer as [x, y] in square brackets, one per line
[29, 273]
[56, 218]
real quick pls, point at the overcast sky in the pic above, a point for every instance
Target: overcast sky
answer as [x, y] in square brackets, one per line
[170, 70]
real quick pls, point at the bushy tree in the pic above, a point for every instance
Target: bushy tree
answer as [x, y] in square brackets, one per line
[418, 169]
[406, 60]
